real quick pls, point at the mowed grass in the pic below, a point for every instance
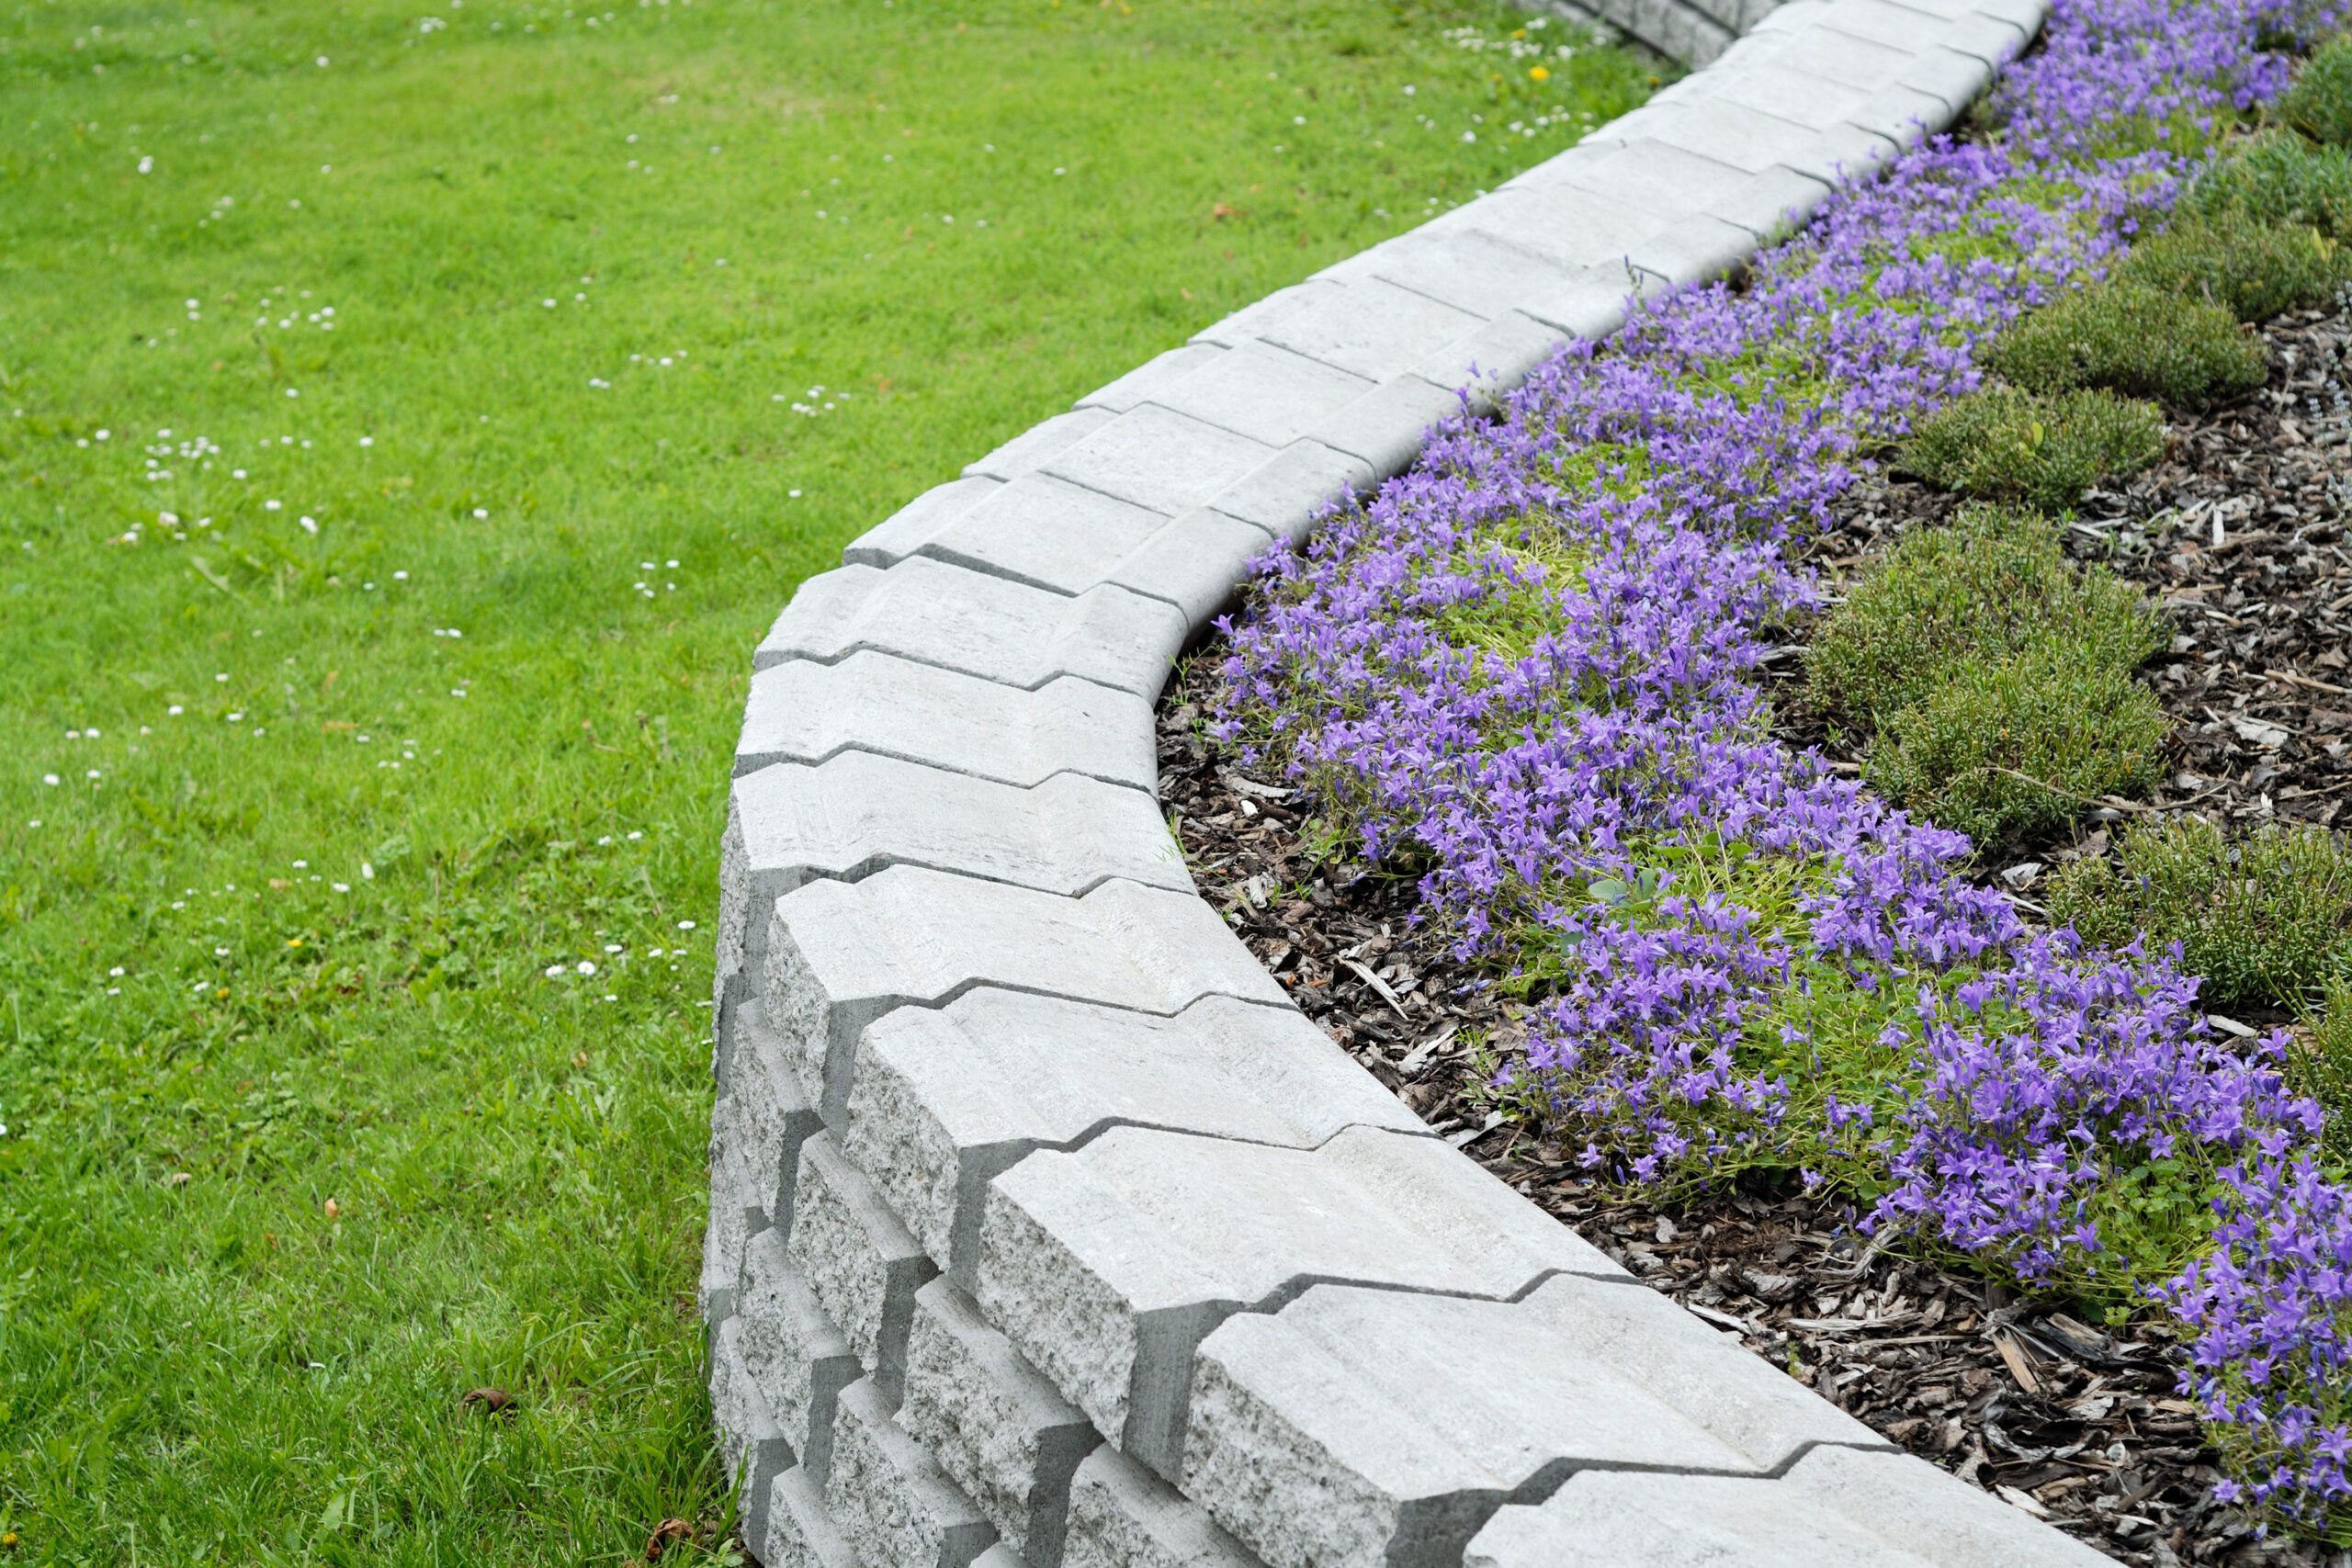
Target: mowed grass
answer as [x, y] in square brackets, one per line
[409, 418]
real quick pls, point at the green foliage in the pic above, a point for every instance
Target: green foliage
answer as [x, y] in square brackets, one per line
[2320, 1062]
[2319, 105]
[1991, 588]
[2134, 340]
[2255, 270]
[2005, 445]
[1996, 750]
[2266, 918]
[2281, 179]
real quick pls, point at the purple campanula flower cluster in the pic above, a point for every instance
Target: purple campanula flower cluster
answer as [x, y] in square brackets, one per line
[1531, 662]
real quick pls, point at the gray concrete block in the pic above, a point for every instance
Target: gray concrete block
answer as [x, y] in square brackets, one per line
[890, 1498]
[1955, 77]
[1640, 174]
[1733, 133]
[1282, 494]
[1567, 226]
[907, 530]
[1593, 304]
[1153, 375]
[1252, 320]
[1789, 92]
[2026, 16]
[980, 623]
[1048, 532]
[1494, 360]
[1107, 1265]
[1989, 39]
[1122, 1515]
[800, 1360]
[1828, 53]
[1905, 1499]
[841, 955]
[1409, 1419]
[1371, 328]
[1036, 445]
[1388, 426]
[872, 701]
[1695, 250]
[1194, 564]
[1772, 205]
[772, 1116]
[858, 1260]
[1268, 394]
[998, 1430]
[1904, 116]
[801, 1533]
[752, 1446]
[1884, 22]
[1469, 269]
[945, 1100]
[734, 1214]
[1843, 153]
[1160, 459]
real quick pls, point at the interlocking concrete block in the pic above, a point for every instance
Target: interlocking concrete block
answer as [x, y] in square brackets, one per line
[1886, 22]
[800, 1360]
[1904, 116]
[1153, 376]
[1252, 320]
[1194, 564]
[890, 1498]
[1825, 53]
[735, 1213]
[980, 623]
[1036, 445]
[1834, 1508]
[943, 1101]
[998, 1430]
[1493, 360]
[1568, 227]
[1787, 92]
[771, 1115]
[2026, 16]
[1645, 175]
[1695, 250]
[1283, 494]
[1107, 1265]
[1159, 460]
[858, 1260]
[907, 530]
[1732, 133]
[752, 1445]
[1469, 267]
[801, 1533]
[1122, 1515]
[1951, 75]
[1388, 426]
[1594, 303]
[1989, 39]
[872, 701]
[841, 955]
[1049, 532]
[1772, 205]
[1268, 394]
[1371, 328]
[1409, 1419]
[1843, 153]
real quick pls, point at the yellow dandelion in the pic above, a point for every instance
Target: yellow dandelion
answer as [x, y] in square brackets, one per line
[1538, 74]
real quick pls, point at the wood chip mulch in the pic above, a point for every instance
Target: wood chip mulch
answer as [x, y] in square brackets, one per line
[2057, 1416]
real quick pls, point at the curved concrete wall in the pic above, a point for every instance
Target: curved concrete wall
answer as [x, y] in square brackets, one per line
[1042, 1227]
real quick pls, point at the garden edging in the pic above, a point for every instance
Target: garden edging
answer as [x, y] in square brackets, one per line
[1043, 1227]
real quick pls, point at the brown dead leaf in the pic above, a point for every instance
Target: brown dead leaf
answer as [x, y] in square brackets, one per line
[663, 1534]
[333, 1209]
[1220, 213]
[494, 1401]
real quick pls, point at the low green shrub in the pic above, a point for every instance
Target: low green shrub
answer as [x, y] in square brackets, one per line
[2266, 919]
[2319, 103]
[2280, 178]
[2320, 1066]
[2134, 340]
[1992, 587]
[2252, 269]
[1997, 751]
[2005, 445]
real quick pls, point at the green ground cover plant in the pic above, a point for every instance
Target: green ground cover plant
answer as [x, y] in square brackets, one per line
[409, 420]
[2255, 270]
[2006, 445]
[2137, 340]
[2280, 178]
[2319, 105]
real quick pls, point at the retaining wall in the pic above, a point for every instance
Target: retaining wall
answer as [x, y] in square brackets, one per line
[1042, 1227]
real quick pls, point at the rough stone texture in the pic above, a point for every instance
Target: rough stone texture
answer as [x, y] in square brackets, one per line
[1138, 385]
[1283, 494]
[1037, 445]
[751, 1441]
[771, 1115]
[906, 530]
[1266, 393]
[859, 1263]
[890, 1498]
[943, 1102]
[1158, 458]
[1122, 1515]
[1043, 529]
[734, 1214]
[1107, 1266]
[799, 1533]
[801, 1360]
[996, 1427]
[1194, 564]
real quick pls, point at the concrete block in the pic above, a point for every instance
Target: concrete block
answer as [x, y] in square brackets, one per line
[1036, 445]
[2026, 16]
[1829, 53]
[1160, 459]
[1988, 40]
[734, 1214]
[1733, 133]
[858, 1260]
[1843, 153]
[800, 1534]
[943, 1101]
[1268, 394]
[1252, 320]
[772, 1116]
[1283, 494]
[890, 1499]
[1410, 1419]
[1772, 205]
[1952, 76]
[1646, 174]
[1494, 360]
[1461, 265]
[1594, 303]
[1048, 532]
[1371, 328]
[1388, 426]
[977, 622]
[1194, 564]
[800, 1360]
[906, 530]
[998, 1430]
[752, 1445]
[1122, 1515]
[841, 955]
[1886, 22]
[872, 701]
[1569, 227]
[1904, 116]
[1108, 1265]
[1696, 250]
[1153, 375]
[1789, 92]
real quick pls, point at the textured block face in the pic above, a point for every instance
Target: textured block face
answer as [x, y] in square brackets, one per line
[1495, 359]
[1282, 494]
[800, 1534]
[750, 1442]
[907, 530]
[1772, 204]
[1121, 1516]
[859, 1263]
[1048, 532]
[1633, 175]
[1469, 267]
[1158, 458]
[1371, 328]
[1253, 320]
[1153, 376]
[1034, 448]
[1386, 427]
[1698, 248]
[798, 1359]
[870, 702]
[1194, 564]
[997, 1428]
[771, 1114]
[980, 624]
[945, 1100]
[1746, 137]
[889, 1500]
[1570, 228]
[1265, 393]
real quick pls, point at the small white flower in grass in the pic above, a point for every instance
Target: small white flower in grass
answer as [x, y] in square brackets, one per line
[340, 886]
[147, 165]
[51, 779]
[271, 505]
[685, 925]
[115, 971]
[292, 394]
[555, 971]
[94, 773]
[367, 872]
[638, 834]
[794, 494]
[482, 511]
[585, 966]
[367, 441]
[309, 526]
[175, 710]
[612, 947]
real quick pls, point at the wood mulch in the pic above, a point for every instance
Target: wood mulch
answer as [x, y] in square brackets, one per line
[2241, 531]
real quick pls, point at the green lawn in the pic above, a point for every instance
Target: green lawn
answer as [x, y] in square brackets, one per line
[409, 418]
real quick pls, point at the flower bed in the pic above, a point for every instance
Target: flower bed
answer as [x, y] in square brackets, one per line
[1532, 665]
